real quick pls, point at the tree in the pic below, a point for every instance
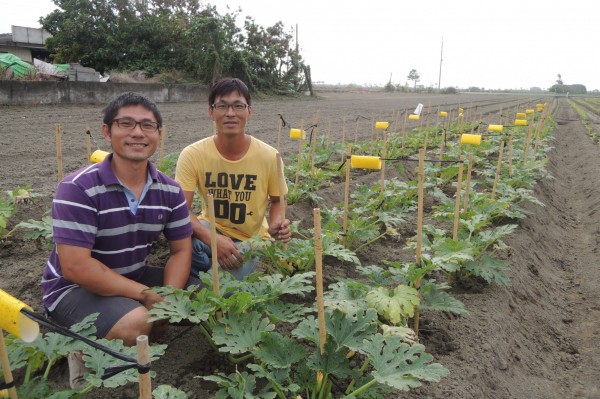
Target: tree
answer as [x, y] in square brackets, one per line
[414, 76]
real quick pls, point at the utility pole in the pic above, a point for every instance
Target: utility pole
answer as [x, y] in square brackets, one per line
[441, 54]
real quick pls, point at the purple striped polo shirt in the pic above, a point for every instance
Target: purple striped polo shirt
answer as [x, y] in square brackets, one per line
[90, 210]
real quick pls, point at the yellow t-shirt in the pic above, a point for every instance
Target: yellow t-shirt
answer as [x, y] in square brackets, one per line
[240, 188]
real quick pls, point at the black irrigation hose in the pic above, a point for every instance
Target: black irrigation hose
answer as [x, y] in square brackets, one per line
[92, 138]
[109, 372]
[283, 122]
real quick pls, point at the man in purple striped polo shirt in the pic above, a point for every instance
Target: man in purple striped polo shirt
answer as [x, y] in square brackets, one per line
[106, 217]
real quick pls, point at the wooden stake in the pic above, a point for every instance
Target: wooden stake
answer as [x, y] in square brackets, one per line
[143, 358]
[346, 201]
[319, 279]
[457, 202]
[299, 154]
[313, 150]
[442, 146]
[279, 127]
[59, 158]
[343, 138]
[8, 377]
[404, 128]
[498, 167]
[468, 183]
[328, 139]
[383, 155]
[88, 145]
[421, 176]
[282, 196]
[213, 244]
[510, 156]
[163, 137]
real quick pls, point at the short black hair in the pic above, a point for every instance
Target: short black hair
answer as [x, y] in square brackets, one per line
[226, 86]
[128, 99]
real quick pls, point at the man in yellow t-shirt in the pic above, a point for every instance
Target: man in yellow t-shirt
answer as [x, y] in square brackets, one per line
[240, 172]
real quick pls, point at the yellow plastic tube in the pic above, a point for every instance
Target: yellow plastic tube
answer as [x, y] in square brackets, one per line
[15, 322]
[540, 105]
[98, 156]
[443, 114]
[521, 115]
[495, 128]
[297, 134]
[413, 117]
[382, 125]
[474, 139]
[520, 122]
[540, 108]
[461, 110]
[365, 162]
[529, 111]
[460, 115]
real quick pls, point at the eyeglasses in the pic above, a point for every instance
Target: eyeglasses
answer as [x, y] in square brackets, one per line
[130, 124]
[223, 107]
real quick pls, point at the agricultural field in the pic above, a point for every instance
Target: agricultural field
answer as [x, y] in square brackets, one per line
[505, 298]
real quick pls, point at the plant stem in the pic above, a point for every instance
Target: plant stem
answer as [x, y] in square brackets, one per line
[362, 370]
[370, 242]
[47, 371]
[364, 387]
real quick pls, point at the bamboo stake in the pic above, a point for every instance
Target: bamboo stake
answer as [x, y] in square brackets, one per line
[346, 200]
[356, 130]
[404, 128]
[312, 151]
[213, 244]
[163, 137]
[396, 120]
[468, 183]
[88, 145]
[383, 155]
[510, 156]
[8, 377]
[282, 205]
[299, 154]
[420, 190]
[373, 135]
[343, 138]
[279, 128]
[328, 139]
[319, 279]
[498, 167]
[59, 157]
[143, 358]
[442, 145]
[537, 138]
[457, 203]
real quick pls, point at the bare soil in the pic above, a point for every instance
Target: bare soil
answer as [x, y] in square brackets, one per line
[536, 339]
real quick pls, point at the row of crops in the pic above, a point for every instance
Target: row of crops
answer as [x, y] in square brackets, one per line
[357, 337]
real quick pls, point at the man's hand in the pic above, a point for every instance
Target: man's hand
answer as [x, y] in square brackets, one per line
[227, 253]
[149, 298]
[281, 231]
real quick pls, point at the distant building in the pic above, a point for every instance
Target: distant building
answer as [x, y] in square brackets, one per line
[26, 43]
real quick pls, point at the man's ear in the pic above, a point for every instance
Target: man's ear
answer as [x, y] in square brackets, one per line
[106, 132]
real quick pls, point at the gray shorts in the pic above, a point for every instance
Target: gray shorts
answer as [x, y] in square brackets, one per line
[80, 303]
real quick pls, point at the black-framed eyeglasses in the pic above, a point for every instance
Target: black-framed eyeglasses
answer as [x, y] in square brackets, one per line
[223, 107]
[130, 124]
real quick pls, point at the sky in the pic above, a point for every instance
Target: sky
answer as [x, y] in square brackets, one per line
[509, 44]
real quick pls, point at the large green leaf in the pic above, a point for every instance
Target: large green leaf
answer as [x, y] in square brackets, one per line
[279, 351]
[395, 305]
[285, 312]
[434, 297]
[400, 365]
[168, 392]
[450, 254]
[490, 269]
[332, 361]
[348, 330]
[179, 306]
[241, 333]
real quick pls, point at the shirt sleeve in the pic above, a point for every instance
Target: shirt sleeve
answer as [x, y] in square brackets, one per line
[185, 173]
[74, 217]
